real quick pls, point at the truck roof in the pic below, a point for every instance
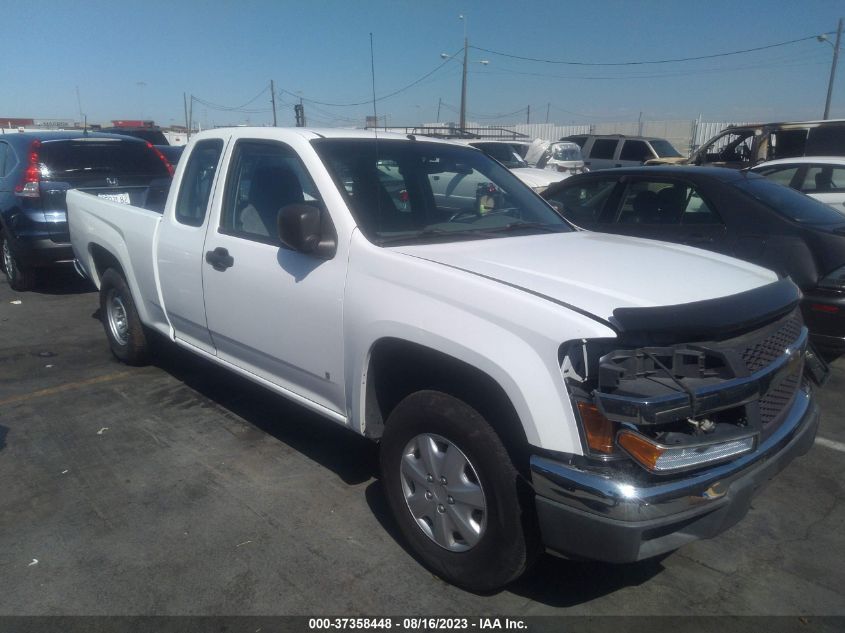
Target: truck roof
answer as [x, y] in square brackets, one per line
[314, 133]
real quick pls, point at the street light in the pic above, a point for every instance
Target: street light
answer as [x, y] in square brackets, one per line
[463, 121]
[824, 38]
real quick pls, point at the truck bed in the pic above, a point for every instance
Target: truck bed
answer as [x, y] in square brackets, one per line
[128, 233]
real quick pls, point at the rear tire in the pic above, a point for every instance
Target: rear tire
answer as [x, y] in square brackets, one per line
[458, 500]
[21, 278]
[124, 330]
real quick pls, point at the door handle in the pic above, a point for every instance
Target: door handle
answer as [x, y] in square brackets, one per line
[219, 259]
[618, 165]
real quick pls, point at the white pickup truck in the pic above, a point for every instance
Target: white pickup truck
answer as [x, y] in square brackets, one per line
[531, 385]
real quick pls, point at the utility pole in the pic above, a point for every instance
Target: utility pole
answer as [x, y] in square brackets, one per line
[832, 69]
[185, 103]
[191, 115]
[463, 123]
[528, 114]
[439, 101]
[273, 100]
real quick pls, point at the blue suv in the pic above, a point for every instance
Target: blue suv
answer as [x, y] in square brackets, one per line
[37, 169]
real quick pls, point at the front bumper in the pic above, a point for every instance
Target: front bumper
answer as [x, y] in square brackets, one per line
[590, 514]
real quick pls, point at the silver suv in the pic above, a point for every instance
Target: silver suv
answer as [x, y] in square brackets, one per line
[603, 151]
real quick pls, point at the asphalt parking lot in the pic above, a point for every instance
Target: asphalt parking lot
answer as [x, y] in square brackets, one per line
[180, 489]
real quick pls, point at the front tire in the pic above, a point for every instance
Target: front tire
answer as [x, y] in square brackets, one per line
[124, 330]
[21, 278]
[455, 492]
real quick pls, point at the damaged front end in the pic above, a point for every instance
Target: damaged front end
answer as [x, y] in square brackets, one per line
[683, 417]
[691, 391]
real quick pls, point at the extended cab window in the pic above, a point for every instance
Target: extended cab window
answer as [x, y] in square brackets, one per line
[650, 202]
[264, 177]
[192, 203]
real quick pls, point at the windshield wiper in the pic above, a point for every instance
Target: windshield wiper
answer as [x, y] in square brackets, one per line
[517, 226]
[426, 233]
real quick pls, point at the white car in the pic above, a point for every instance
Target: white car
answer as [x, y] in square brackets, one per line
[820, 177]
[504, 152]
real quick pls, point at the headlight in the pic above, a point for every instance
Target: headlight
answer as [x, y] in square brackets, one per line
[834, 280]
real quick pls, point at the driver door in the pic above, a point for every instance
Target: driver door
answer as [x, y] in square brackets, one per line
[273, 312]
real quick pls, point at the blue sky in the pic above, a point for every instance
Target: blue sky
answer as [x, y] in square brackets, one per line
[135, 59]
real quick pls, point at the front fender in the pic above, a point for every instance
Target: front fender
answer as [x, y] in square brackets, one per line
[510, 335]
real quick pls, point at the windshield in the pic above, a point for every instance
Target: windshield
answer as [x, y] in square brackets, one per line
[417, 191]
[789, 203]
[664, 149]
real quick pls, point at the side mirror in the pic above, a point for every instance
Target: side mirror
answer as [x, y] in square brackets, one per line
[301, 228]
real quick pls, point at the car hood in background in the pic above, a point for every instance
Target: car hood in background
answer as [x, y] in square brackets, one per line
[598, 272]
[668, 160]
[537, 178]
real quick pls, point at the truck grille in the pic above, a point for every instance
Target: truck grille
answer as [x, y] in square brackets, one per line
[765, 351]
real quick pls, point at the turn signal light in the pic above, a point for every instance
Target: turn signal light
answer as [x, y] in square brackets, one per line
[598, 429]
[667, 459]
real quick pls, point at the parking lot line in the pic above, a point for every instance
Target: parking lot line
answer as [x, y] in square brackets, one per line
[837, 446]
[65, 387]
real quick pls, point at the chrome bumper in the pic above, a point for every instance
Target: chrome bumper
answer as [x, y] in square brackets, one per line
[616, 518]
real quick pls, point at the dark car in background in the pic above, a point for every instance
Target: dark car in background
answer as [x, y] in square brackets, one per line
[736, 213]
[150, 134]
[171, 152]
[37, 169]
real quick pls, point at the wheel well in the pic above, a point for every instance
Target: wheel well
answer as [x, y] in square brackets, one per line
[399, 368]
[103, 260]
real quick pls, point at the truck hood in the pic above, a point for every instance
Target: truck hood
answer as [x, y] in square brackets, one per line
[599, 272]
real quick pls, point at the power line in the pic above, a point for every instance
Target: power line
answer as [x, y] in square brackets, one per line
[802, 61]
[240, 108]
[383, 97]
[641, 63]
